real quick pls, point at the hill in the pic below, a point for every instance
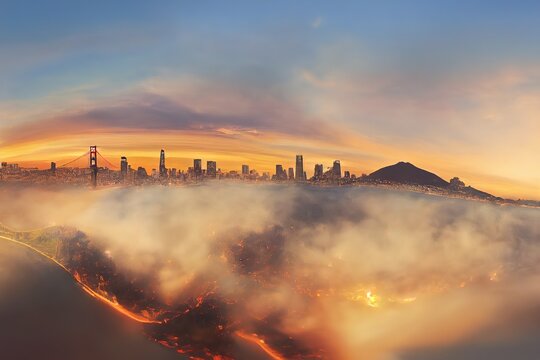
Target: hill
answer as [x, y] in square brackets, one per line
[407, 173]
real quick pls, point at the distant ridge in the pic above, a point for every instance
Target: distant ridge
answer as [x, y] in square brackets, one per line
[407, 173]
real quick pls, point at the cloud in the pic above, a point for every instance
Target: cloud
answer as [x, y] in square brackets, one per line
[462, 114]
[345, 269]
[204, 109]
[347, 102]
[317, 22]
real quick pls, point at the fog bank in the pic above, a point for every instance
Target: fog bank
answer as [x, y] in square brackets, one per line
[360, 272]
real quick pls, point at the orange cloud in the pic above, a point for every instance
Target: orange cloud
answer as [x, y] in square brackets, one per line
[192, 118]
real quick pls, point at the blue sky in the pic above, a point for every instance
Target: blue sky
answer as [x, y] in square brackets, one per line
[133, 39]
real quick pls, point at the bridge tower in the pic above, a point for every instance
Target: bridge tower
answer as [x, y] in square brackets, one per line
[93, 164]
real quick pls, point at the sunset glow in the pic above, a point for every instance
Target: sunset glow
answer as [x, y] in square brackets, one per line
[329, 97]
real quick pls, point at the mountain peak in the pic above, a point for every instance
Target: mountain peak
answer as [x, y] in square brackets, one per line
[407, 173]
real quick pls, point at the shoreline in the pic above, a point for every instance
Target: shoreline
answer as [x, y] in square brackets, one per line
[84, 287]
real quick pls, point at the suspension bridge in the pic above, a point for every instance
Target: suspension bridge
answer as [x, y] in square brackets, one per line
[93, 155]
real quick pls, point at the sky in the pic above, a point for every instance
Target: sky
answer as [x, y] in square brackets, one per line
[453, 87]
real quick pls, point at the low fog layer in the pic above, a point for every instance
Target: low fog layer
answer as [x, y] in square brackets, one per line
[362, 273]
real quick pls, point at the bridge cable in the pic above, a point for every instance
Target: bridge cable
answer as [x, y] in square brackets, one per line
[107, 161]
[72, 161]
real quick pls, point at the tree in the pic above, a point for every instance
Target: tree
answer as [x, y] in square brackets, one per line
[456, 184]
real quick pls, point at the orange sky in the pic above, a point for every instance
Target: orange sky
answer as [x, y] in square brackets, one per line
[261, 152]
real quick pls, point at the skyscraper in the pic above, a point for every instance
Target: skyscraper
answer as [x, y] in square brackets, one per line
[245, 170]
[162, 168]
[123, 167]
[211, 169]
[280, 173]
[197, 167]
[279, 170]
[336, 170]
[299, 168]
[319, 171]
[53, 167]
[141, 173]
[291, 174]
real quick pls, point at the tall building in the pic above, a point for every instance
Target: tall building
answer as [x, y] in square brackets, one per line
[299, 168]
[141, 173]
[280, 173]
[291, 174]
[347, 174]
[123, 167]
[319, 171]
[336, 170]
[211, 169]
[53, 167]
[245, 170]
[162, 168]
[197, 167]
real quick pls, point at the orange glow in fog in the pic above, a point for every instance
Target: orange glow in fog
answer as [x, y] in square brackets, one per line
[254, 339]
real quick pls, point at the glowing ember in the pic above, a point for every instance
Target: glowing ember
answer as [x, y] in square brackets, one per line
[254, 338]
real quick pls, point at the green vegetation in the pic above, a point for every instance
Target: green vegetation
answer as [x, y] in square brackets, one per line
[45, 240]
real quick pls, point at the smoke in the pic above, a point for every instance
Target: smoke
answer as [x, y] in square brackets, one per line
[358, 272]
[40, 305]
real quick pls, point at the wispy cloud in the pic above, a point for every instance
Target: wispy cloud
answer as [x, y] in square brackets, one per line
[317, 22]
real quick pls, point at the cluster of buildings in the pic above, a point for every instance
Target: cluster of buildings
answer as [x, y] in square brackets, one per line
[11, 172]
[197, 172]
[9, 168]
[125, 174]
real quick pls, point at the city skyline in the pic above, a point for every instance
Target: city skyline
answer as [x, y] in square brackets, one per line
[164, 171]
[162, 167]
[319, 171]
[400, 176]
[458, 100]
